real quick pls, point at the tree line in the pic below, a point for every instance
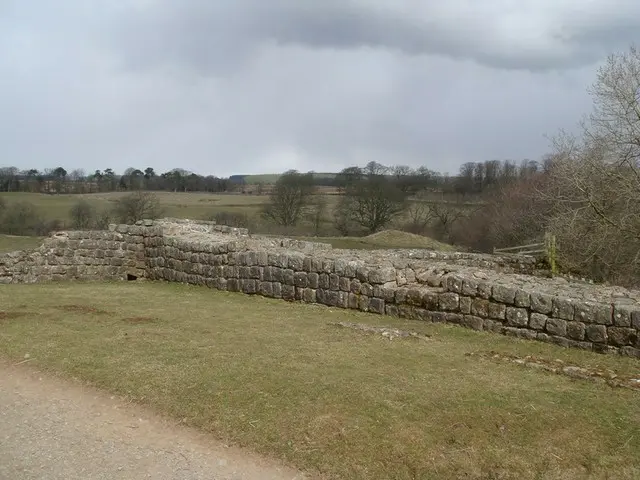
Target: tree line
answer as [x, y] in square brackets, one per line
[586, 191]
[473, 178]
[59, 180]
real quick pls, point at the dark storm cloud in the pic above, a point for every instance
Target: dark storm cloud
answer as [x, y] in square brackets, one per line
[246, 86]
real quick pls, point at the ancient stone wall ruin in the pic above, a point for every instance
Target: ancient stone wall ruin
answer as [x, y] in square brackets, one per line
[504, 295]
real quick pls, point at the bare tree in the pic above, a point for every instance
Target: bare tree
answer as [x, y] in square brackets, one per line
[83, 215]
[136, 206]
[289, 198]
[596, 178]
[317, 213]
[371, 198]
[420, 216]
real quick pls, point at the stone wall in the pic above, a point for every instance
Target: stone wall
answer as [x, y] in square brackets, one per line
[81, 255]
[482, 292]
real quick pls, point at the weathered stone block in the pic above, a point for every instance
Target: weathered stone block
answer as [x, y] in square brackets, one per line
[391, 310]
[630, 352]
[541, 303]
[289, 292]
[334, 282]
[382, 275]
[556, 326]
[537, 321]
[622, 315]
[576, 330]
[308, 295]
[383, 292]
[366, 289]
[469, 287]
[413, 296]
[503, 294]
[473, 322]
[449, 302]
[596, 333]
[376, 305]
[266, 289]
[621, 336]
[362, 273]
[363, 303]
[465, 305]
[312, 280]
[255, 272]
[590, 312]
[522, 299]
[354, 300]
[300, 279]
[484, 290]
[454, 283]
[492, 326]
[497, 311]
[401, 295]
[480, 307]
[295, 261]
[288, 277]
[563, 308]
[344, 284]
[516, 317]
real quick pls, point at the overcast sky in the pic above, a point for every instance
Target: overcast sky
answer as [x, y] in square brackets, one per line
[259, 86]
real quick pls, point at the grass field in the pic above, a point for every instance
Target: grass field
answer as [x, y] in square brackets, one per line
[181, 205]
[204, 206]
[278, 378]
[10, 243]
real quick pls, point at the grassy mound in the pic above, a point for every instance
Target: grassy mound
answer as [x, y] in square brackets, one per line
[398, 239]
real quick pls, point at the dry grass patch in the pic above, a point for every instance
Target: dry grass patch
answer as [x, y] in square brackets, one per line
[139, 319]
[85, 309]
[278, 378]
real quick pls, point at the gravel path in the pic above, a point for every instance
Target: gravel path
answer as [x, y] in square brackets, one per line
[56, 429]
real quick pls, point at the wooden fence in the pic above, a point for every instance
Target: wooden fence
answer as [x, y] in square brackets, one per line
[545, 249]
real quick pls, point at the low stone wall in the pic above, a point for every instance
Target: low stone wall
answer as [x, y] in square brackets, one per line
[81, 255]
[482, 292]
[602, 319]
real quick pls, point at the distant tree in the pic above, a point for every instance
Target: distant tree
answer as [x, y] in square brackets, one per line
[83, 215]
[149, 177]
[136, 206]
[371, 198]
[59, 177]
[8, 179]
[110, 179]
[289, 198]
[317, 212]
[78, 179]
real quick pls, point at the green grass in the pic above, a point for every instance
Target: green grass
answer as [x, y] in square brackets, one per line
[11, 243]
[277, 378]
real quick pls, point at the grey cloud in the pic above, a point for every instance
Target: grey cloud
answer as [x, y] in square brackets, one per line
[247, 86]
[217, 36]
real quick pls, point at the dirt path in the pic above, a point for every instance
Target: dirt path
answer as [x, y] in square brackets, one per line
[56, 429]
